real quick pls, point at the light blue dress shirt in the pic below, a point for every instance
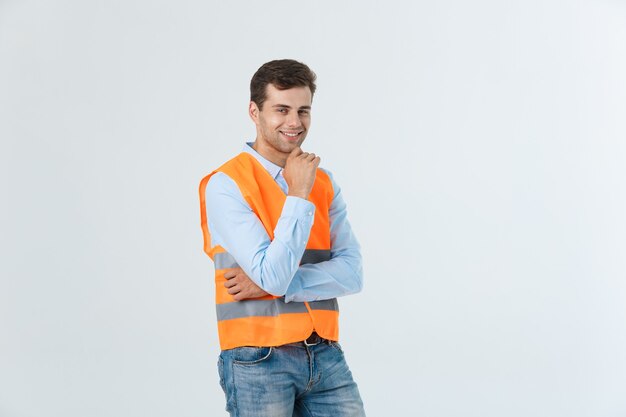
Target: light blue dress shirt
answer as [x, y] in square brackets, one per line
[274, 265]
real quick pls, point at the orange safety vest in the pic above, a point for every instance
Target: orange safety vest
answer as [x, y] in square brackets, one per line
[269, 321]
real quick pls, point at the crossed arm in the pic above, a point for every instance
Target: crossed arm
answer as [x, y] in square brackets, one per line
[272, 266]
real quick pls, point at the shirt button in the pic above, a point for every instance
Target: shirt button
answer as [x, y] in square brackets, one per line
[310, 213]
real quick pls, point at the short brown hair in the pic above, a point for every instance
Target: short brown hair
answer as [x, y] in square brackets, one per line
[282, 74]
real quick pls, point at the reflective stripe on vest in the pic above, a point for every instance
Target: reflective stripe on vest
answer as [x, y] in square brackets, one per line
[224, 260]
[269, 321]
[266, 308]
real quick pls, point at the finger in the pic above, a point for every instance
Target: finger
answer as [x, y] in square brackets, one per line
[231, 273]
[297, 151]
[310, 156]
[231, 283]
[243, 294]
[316, 161]
[234, 290]
[303, 155]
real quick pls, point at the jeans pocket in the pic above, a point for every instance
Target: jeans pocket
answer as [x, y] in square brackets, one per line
[251, 355]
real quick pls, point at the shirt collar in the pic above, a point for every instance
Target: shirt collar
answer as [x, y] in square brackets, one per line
[271, 167]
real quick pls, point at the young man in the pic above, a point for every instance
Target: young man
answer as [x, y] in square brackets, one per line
[275, 225]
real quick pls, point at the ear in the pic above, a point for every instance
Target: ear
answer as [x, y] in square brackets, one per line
[253, 112]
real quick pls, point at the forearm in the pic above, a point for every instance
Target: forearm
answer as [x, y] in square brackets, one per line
[271, 264]
[325, 280]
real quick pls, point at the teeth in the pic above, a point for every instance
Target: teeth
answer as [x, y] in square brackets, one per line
[292, 135]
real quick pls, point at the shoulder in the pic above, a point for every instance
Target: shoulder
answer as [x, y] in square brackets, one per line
[220, 177]
[327, 172]
[219, 182]
[223, 195]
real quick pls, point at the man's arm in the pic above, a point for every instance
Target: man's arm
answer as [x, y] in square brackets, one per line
[343, 273]
[271, 264]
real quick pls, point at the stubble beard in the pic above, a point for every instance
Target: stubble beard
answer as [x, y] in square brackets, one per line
[280, 145]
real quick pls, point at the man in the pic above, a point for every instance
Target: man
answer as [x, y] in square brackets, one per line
[275, 225]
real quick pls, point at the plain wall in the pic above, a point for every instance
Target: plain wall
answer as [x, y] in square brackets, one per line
[480, 147]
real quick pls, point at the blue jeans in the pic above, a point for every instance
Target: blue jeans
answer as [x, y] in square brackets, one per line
[291, 380]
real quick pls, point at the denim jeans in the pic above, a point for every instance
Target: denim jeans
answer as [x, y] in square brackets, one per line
[291, 380]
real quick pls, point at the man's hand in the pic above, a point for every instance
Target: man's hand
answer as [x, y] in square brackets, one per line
[240, 286]
[300, 171]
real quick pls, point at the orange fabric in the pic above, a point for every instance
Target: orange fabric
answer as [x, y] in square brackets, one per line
[266, 199]
[264, 331]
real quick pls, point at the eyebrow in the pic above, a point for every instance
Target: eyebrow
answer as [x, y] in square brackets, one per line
[288, 107]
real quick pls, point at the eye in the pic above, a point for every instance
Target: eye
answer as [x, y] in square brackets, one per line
[281, 110]
[304, 112]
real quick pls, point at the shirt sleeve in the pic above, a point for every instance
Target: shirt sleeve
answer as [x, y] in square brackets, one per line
[271, 264]
[343, 273]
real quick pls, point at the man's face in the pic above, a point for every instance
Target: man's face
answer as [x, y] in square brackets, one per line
[283, 122]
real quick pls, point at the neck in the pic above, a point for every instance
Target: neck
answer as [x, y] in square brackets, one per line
[270, 154]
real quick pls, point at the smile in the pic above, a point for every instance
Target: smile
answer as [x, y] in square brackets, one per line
[291, 134]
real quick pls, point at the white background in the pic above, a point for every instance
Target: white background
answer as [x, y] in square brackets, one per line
[481, 147]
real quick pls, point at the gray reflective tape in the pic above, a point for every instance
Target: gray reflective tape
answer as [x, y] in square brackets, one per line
[331, 304]
[257, 308]
[224, 260]
[314, 256]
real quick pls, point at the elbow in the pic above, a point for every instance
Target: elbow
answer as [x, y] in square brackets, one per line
[355, 283]
[270, 278]
[275, 290]
[354, 269]
[358, 285]
[359, 274]
[272, 286]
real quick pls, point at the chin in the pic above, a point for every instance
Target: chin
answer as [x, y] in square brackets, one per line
[290, 146]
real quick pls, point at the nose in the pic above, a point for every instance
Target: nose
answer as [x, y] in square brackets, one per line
[293, 119]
